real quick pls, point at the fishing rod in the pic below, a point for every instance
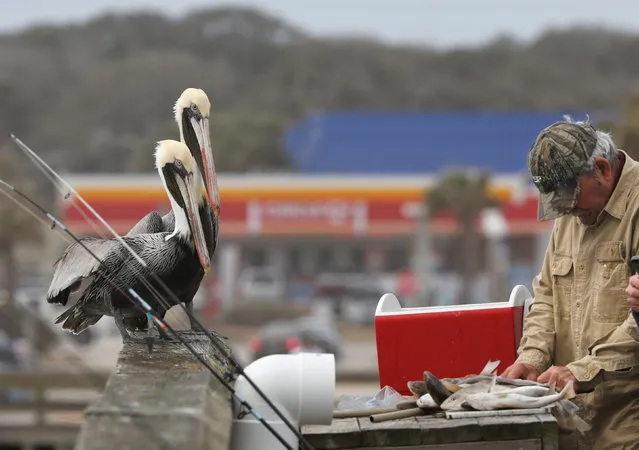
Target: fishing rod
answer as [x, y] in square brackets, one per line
[146, 309]
[43, 166]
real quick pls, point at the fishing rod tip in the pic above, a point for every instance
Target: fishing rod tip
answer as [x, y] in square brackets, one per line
[12, 136]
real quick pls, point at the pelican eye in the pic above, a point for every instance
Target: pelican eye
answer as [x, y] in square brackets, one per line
[178, 162]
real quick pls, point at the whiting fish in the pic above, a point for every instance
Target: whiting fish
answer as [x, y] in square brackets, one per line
[485, 401]
[417, 388]
[426, 402]
[455, 401]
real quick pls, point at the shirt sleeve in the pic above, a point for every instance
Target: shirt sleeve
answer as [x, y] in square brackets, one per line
[614, 351]
[538, 337]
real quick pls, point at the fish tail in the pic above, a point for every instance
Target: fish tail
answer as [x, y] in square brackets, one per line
[436, 388]
[490, 367]
[417, 388]
[568, 391]
[76, 320]
[492, 383]
[567, 417]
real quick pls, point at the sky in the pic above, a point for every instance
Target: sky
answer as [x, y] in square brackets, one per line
[435, 23]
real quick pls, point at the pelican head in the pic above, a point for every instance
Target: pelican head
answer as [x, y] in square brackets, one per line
[192, 111]
[186, 192]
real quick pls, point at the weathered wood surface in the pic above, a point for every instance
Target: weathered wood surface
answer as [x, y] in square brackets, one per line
[163, 400]
[52, 380]
[538, 431]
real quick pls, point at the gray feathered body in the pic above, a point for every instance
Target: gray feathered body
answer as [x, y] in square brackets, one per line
[154, 223]
[175, 262]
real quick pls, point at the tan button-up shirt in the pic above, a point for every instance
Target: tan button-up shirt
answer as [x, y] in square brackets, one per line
[580, 317]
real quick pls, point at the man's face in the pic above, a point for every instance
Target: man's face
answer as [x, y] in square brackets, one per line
[594, 191]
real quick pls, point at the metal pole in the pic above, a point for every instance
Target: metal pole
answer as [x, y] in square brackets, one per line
[422, 258]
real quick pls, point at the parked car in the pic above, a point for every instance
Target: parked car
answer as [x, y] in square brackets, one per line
[293, 336]
[261, 283]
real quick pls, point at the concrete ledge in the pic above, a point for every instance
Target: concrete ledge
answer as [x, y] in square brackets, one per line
[165, 400]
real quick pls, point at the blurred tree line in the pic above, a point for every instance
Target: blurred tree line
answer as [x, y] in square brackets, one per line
[96, 96]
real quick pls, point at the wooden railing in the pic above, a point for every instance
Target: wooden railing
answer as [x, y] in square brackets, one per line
[49, 407]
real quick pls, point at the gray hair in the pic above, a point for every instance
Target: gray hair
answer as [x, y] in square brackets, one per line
[605, 147]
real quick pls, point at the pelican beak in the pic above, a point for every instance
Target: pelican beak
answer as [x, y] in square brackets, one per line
[187, 189]
[202, 133]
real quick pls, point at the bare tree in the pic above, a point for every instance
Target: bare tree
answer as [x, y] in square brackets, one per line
[16, 226]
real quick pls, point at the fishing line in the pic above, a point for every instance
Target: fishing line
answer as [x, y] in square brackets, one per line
[146, 309]
[50, 174]
[36, 160]
[193, 319]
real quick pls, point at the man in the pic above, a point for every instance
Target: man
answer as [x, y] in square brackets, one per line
[579, 327]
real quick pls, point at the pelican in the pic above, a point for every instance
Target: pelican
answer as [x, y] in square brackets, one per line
[191, 112]
[178, 257]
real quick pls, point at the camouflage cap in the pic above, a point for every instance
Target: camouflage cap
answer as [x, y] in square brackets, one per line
[558, 157]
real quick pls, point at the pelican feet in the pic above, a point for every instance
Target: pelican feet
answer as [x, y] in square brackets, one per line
[149, 338]
[119, 323]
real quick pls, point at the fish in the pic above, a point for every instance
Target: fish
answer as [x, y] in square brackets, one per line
[486, 401]
[500, 380]
[490, 367]
[451, 387]
[528, 391]
[417, 388]
[440, 390]
[426, 402]
[567, 418]
[455, 401]
[436, 388]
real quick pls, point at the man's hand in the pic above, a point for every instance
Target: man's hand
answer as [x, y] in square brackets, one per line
[633, 292]
[520, 370]
[561, 375]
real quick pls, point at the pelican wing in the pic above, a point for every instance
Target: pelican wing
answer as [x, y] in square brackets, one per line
[75, 264]
[173, 261]
[153, 223]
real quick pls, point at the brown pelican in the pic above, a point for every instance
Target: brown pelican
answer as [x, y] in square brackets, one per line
[179, 257]
[191, 110]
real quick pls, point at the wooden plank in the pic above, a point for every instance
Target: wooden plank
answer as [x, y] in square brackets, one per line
[443, 431]
[48, 434]
[499, 412]
[527, 444]
[510, 428]
[46, 406]
[549, 431]
[391, 433]
[341, 433]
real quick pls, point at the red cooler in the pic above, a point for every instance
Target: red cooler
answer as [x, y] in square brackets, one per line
[449, 341]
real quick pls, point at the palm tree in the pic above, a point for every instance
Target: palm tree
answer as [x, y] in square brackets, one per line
[463, 192]
[626, 131]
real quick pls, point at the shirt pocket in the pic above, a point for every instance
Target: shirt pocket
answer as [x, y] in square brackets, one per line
[562, 280]
[610, 279]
